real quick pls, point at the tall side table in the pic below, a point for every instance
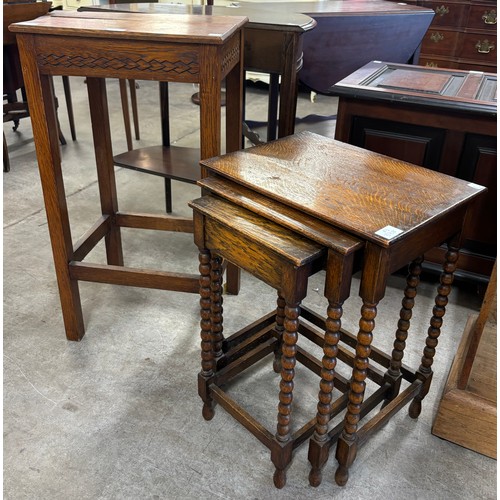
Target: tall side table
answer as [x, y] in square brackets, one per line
[180, 48]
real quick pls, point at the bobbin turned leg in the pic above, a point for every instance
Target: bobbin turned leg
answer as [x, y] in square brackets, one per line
[393, 374]
[347, 443]
[424, 372]
[318, 449]
[288, 361]
[279, 328]
[216, 306]
[207, 353]
[337, 289]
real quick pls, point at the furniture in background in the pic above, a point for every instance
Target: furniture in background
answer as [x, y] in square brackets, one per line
[442, 119]
[333, 206]
[273, 44]
[190, 49]
[467, 413]
[13, 83]
[462, 35]
[350, 34]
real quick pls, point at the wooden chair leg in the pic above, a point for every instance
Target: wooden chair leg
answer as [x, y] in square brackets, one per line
[126, 115]
[168, 195]
[69, 106]
[135, 112]
[6, 161]
[11, 98]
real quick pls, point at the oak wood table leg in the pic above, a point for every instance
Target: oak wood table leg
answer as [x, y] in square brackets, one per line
[135, 110]
[288, 362]
[69, 106]
[207, 353]
[105, 166]
[280, 329]
[393, 374]
[126, 113]
[216, 309]
[424, 372]
[45, 132]
[289, 87]
[337, 290]
[372, 289]
[234, 111]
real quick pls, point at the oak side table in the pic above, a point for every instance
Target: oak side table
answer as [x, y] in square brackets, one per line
[398, 211]
[180, 48]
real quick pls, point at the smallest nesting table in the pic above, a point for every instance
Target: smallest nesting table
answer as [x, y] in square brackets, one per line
[395, 211]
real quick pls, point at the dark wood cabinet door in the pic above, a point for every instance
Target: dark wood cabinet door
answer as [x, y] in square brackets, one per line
[415, 144]
[478, 164]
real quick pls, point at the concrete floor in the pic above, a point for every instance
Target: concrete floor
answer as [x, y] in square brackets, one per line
[118, 415]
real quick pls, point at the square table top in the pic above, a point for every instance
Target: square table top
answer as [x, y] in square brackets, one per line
[179, 28]
[372, 196]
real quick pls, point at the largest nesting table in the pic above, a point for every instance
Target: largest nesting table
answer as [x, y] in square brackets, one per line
[397, 211]
[178, 48]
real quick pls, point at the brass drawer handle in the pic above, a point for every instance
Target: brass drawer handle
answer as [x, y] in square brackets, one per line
[484, 46]
[436, 37]
[490, 17]
[431, 64]
[441, 11]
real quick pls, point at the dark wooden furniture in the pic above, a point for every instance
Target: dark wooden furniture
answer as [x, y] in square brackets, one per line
[351, 33]
[192, 49]
[13, 84]
[284, 261]
[398, 211]
[463, 35]
[273, 44]
[444, 120]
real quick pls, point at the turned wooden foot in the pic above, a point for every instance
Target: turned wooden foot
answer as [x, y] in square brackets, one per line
[415, 408]
[341, 475]
[208, 411]
[279, 478]
[315, 477]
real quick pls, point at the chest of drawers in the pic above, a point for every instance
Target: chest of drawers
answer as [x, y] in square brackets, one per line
[462, 35]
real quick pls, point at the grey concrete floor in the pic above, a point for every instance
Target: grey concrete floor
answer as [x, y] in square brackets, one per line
[117, 415]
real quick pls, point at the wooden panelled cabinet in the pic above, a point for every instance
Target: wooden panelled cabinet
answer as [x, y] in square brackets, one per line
[441, 119]
[462, 35]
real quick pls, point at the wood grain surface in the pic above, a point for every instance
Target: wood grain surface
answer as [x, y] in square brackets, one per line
[351, 188]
